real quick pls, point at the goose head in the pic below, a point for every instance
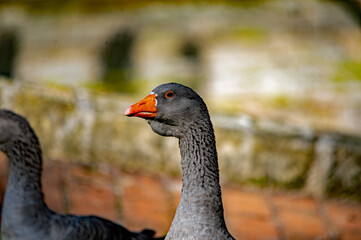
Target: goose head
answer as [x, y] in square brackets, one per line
[13, 128]
[170, 109]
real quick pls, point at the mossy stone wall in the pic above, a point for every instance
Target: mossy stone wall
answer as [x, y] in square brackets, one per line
[83, 126]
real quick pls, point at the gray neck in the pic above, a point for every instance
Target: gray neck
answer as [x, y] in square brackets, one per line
[201, 192]
[23, 189]
[25, 174]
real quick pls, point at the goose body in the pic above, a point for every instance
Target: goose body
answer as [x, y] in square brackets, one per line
[25, 215]
[175, 110]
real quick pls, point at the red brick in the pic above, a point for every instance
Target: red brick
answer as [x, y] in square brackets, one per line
[251, 228]
[299, 218]
[247, 213]
[52, 185]
[302, 226]
[350, 236]
[346, 218]
[150, 202]
[173, 187]
[295, 204]
[245, 203]
[90, 193]
[145, 203]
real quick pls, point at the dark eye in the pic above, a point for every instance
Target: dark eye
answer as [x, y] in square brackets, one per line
[169, 94]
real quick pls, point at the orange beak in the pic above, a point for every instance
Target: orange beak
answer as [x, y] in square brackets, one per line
[145, 108]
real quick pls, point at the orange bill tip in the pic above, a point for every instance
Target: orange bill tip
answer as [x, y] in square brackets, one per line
[145, 108]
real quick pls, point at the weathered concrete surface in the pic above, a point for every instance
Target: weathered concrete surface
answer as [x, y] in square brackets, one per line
[91, 128]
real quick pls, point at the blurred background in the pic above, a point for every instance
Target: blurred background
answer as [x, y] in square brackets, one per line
[282, 80]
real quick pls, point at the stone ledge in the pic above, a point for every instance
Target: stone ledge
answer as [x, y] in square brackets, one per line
[87, 127]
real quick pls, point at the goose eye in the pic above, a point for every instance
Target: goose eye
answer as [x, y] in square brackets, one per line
[169, 94]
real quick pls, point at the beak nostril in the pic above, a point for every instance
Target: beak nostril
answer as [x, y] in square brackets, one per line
[142, 103]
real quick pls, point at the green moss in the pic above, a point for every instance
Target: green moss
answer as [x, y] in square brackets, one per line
[297, 183]
[266, 182]
[250, 35]
[261, 182]
[110, 86]
[282, 101]
[33, 105]
[58, 86]
[96, 6]
[72, 143]
[336, 188]
[344, 179]
[348, 71]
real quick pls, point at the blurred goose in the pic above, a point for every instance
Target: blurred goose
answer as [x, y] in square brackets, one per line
[25, 215]
[175, 110]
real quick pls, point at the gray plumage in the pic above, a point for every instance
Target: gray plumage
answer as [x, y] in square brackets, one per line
[25, 215]
[183, 114]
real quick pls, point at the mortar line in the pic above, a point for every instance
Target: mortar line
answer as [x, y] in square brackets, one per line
[331, 232]
[117, 193]
[275, 219]
[63, 186]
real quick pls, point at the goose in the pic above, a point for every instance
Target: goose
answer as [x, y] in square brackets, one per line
[174, 110]
[25, 215]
